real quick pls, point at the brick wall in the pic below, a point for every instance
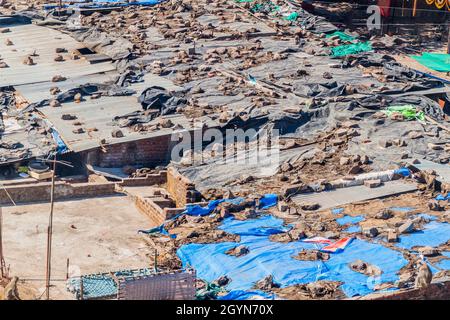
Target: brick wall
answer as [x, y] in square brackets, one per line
[41, 191]
[149, 180]
[38, 192]
[149, 208]
[147, 152]
[181, 189]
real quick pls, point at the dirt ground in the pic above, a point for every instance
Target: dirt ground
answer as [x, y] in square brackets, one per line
[411, 63]
[97, 235]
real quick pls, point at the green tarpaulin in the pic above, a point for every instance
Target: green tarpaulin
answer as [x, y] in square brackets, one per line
[408, 111]
[342, 35]
[434, 61]
[268, 7]
[291, 17]
[354, 48]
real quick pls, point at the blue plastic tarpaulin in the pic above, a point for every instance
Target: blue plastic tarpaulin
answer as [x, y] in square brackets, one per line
[349, 219]
[444, 263]
[402, 209]
[426, 216]
[353, 229]
[441, 197]
[160, 229]
[61, 146]
[197, 210]
[405, 172]
[264, 226]
[269, 200]
[267, 257]
[434, 234]
[247, 295]
[337, 210]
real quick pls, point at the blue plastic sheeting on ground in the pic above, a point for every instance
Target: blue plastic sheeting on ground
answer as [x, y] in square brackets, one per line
[427, 216]
[269, 200]
[337, 210]
[403, 209]
[441, 197]
[197, 210]
[434, 234]
[264, 226]
[266, 257]
[444, 263]
[137, 2]
[247, 295]
[349, 219]
[405, 172]
[353, 229]
[160, 229]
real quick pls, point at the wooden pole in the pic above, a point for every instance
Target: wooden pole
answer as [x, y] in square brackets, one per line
[49, 234]
[448, 37]
[81, 288]
[3, 271]
[67, 269]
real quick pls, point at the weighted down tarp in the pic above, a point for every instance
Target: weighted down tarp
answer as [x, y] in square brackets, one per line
[348, 49]
[434, 61]
[273, 258]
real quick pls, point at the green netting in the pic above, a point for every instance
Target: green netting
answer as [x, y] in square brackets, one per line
[102, 285]
[267, 7]
[243, 1]
[354, 48]
[434, 61]
[292, 17]
[408, 111]
[342, 35]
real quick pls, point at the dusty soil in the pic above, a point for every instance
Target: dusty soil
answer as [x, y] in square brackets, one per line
[97, 235]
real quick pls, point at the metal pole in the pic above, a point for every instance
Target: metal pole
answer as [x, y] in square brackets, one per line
[50, 231]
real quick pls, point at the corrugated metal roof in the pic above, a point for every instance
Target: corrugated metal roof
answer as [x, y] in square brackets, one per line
[99, 114]
[96, 116]
[29, 39]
